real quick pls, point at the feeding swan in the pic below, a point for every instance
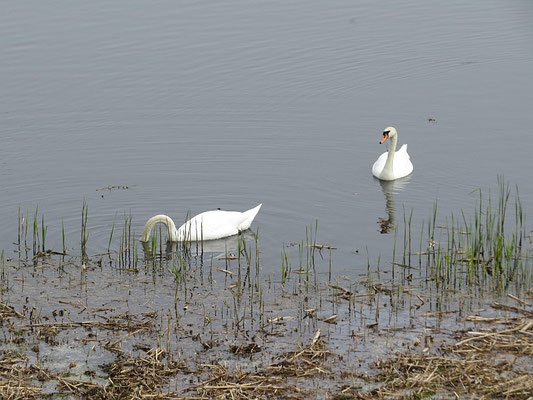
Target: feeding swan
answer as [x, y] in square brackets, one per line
[208, 225]
[392, 164]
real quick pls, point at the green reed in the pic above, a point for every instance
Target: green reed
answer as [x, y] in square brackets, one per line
[20, 226]
[486, 245]
[239, 274]
[3, 265]
[111, 236]
[306, 252]
[84, 232]
[35, 232]
[154, 247]
[63, 237]
[25, 225]
[394, 251]
[285, 266]
[127, 241]
[256, 241]
[44, 229]
[248, 258]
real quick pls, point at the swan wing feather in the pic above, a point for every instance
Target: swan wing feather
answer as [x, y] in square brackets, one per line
[402, 165]
[379, 165]
[216, 224]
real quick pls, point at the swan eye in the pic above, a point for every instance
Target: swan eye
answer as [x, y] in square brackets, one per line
[386, 133]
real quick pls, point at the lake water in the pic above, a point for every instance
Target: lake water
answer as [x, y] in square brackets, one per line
[196, 105]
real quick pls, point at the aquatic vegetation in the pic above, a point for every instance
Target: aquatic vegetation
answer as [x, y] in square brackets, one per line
[63, 238]
[3, 268]
[128, 244]
[84, 232]
[296, 328]
[486, 246]
[111, 236]
[44, 229]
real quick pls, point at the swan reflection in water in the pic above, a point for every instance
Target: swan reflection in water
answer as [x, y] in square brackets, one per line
[389, 189]
[221, 248]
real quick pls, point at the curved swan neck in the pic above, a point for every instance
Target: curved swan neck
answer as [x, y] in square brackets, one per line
[393, 142]
[390, 158]
[172, 234]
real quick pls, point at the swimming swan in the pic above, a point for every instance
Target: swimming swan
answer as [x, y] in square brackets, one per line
[208, 225]
[392, 164]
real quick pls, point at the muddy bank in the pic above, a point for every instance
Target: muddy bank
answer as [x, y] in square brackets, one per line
[213, 326]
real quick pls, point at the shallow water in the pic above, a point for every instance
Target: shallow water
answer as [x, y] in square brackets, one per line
[196, 106]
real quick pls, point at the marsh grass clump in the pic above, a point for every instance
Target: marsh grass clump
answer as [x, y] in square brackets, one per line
[128, 245]
[39, 233]
[306, 266]
[493, 243]
[488, 246]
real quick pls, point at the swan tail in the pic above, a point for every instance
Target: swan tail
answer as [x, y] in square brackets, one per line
[165, 220]
[249, 217]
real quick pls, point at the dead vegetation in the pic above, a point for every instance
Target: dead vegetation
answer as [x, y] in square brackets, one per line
[516, 340]
[306, 361]
[226, 384]
[245, 348]
[16, 378]
[182, 347]
[140, 377]
[420, 375]
[476, 366]
[491, 361]
[128, 378]
[268, 383]
[7, 311]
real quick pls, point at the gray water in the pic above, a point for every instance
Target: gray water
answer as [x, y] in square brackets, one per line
[196, 105]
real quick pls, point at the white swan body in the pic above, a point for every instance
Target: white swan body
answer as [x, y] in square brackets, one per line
[392, 164]
[208, 225]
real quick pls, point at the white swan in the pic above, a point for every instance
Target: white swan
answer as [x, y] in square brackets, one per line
[208, 225]
[392, 164]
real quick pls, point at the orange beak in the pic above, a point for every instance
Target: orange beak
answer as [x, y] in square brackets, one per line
[384, 138]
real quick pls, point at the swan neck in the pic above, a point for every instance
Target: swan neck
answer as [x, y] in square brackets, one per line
[163, 219]
[393, 143]
[387, 169]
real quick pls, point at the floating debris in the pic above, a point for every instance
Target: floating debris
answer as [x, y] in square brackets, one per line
[113, 187]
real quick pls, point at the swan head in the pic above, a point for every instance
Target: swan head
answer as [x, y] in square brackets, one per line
[388, 132]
